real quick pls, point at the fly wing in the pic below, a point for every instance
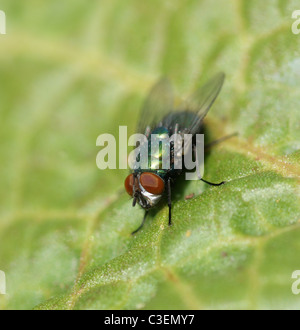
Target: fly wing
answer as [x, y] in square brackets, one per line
[158, 103]
[201, 101]
[159, 109]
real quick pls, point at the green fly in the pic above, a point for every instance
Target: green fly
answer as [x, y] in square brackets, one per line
[159, 116]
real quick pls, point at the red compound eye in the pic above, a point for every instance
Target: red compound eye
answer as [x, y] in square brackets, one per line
[152, 183]
[129, 184]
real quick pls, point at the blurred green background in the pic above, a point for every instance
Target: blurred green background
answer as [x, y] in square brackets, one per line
[71, 70]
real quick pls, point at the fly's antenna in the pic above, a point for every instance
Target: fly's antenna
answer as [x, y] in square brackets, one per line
[134, 201]
[134, 192]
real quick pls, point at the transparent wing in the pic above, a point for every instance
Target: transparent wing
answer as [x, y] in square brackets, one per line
[159, 109]
[201, 101]
[158, 103]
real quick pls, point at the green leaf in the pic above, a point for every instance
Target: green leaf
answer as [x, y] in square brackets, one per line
[70, 71]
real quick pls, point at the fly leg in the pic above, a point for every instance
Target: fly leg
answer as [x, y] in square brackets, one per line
[213, 184]
[142, 224]
[170, 201]
[210, 183]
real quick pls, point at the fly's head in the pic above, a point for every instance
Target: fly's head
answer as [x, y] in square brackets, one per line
[145, 188]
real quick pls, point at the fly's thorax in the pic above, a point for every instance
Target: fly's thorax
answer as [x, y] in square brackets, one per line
[159, 148]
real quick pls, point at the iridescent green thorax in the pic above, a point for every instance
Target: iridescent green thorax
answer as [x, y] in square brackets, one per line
[163, 150]
[155, 158]
[173, 123]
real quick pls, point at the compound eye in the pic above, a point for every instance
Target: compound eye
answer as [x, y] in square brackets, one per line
[152, 183]
[129, 184]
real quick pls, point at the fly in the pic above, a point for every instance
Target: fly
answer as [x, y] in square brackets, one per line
[159, 116]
